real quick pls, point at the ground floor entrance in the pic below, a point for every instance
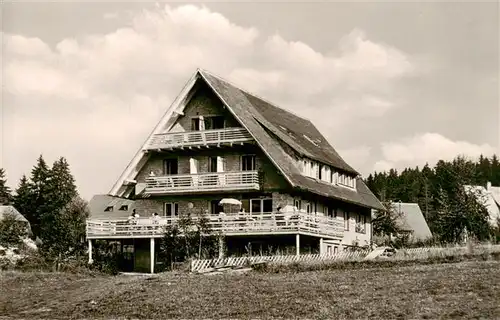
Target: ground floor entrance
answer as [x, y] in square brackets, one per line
[143, 254]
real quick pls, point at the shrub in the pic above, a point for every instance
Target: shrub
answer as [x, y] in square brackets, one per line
[12, 231]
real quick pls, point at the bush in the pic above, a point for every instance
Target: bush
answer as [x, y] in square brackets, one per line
[12, 231]
[295, 267]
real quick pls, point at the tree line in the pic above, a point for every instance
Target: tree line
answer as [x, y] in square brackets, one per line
[450, 211]
[49, 200]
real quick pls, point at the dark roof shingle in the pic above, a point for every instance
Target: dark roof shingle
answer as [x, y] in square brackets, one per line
[257, 116]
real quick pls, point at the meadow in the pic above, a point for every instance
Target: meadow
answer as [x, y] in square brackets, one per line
[468, 289]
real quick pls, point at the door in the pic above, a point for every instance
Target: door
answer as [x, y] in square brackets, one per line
[214, 207]
[128, 257]
[195, 124]
[170, 166]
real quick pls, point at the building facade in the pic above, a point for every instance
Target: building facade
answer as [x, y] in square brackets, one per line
[218, 142]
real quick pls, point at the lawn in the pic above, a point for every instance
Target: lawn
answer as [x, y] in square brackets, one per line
[453, 290]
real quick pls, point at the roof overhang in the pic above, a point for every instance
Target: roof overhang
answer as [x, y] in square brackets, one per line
[120, 188]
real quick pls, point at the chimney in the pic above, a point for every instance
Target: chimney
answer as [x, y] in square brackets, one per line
[488, 185]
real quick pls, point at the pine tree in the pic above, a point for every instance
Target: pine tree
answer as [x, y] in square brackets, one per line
[56, 224]
[24, 199]
[40, 198]
[495, 171]
[5, 192]
[65, 235]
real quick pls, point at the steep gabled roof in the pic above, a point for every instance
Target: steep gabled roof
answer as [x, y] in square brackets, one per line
[298, 133]
[412, 219]
[259, 118]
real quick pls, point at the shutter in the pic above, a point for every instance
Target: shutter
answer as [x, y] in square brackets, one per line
[193, 166]
[220, 164]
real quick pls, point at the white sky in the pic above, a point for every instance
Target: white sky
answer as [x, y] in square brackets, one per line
[389, 84]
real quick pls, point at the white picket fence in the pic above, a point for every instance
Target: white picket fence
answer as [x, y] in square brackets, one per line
[200, 265]
[401, 254]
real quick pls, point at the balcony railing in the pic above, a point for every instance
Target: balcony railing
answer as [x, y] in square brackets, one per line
[229, 225]
[198, 138]
[204, 182]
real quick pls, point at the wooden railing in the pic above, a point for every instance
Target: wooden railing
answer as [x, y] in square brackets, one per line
[230, 224]
[198, 138]
[203, 182]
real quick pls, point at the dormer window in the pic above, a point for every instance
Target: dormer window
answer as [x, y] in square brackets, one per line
[124, 208]
[325, 173]
[109, 209]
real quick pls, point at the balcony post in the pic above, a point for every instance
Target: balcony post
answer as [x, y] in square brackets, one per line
[297, 244]
[221, 247]
[90, 252]
[321, 249]
[152, 255]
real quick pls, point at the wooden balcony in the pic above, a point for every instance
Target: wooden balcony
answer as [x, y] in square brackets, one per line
[228, 225]
[203, 182]
[198, 138]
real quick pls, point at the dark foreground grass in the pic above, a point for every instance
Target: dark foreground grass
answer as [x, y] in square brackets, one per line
[454, 290]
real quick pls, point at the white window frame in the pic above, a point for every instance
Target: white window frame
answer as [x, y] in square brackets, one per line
[173, 205]
[254, 161]
[261, 205]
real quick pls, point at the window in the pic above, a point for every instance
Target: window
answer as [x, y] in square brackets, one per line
[214, 122]
[214, 207]
[212, 164]
[346, 221]
[308, 207]
[195, 124]
[109, 209]
[124, 208]
[218, 122]
[321, 174]
[331, 212]
[328, 174]
[170, 166]
[360, 223]
[297, 203]
[248, 163]
[258, 206]
[325, 210]
[329, 250]
[171, 210]
[315, 170]
[335, 249]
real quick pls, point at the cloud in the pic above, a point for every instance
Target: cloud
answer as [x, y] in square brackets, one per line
[99, 95]
[427, 148]
[357, 157]
[111, 15]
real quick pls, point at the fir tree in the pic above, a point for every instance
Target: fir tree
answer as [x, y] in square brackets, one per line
[40, 197]
[24, 199]
[5, 192]
[61, 191]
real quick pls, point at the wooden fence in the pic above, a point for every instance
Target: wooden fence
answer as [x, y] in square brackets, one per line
[200, 265]
[401, 254]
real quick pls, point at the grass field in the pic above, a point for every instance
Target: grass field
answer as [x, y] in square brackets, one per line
[453, 290]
